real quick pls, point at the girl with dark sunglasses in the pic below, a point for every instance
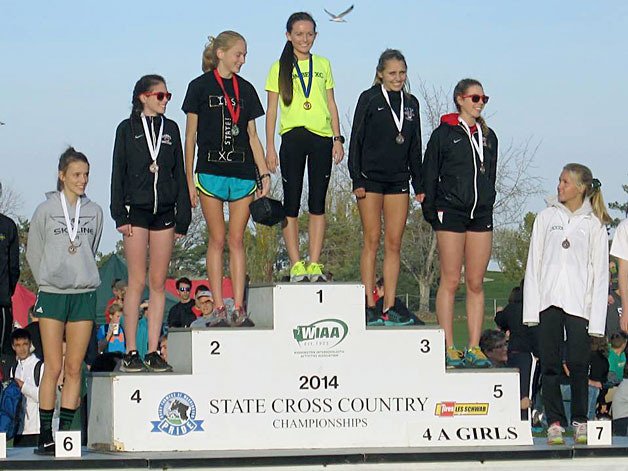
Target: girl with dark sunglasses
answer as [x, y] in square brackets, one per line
[151, 208]
[459, 171]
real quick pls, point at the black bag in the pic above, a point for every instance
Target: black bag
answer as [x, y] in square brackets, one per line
[267, 211]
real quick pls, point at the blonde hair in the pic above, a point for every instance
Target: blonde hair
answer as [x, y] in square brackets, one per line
[224, 41]
[390, 54]
[592, 189]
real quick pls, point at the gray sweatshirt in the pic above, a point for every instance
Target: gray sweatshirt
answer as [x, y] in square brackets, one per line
[54, 268]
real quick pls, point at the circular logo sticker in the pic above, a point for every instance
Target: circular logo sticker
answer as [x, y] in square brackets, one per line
[177, 414]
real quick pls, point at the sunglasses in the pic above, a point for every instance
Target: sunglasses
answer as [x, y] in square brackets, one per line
[160, 95]
[184, 289]
[477, 98]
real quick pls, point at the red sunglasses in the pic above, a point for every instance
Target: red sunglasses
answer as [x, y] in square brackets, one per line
[160, 95]
[477, 98]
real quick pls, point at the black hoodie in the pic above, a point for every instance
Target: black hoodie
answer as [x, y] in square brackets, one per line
[373, 152]
[452, 178]
[132, 183]
[9, 259]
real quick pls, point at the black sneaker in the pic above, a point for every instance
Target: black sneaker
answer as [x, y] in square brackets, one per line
[240, 318]
[45, 445]
[156, 364]
[132, 363]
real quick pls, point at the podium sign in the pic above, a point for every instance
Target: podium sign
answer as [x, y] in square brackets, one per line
[317, 378]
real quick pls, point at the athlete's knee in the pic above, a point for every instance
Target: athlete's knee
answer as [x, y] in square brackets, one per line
[216, 243]
[449, 282]
[371, 240]
[392, 244]
[236, 241]
[475, 284]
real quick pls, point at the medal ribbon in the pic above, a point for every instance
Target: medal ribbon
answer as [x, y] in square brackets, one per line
[398, 120]
[153, 147]
[233, 112]
[72, 231]
[474, 145]
[308, 89]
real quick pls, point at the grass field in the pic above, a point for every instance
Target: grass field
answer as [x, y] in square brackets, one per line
[496, 292]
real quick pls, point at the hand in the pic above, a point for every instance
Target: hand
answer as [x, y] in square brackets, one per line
[420, 197]
[272, 160]
[265, 187]
[623, 321]
[337, 152]
[126, 230]
[178, 236]
[611, 300]
[359, 193]
[595, 384]
[19, 382]
[193, 194]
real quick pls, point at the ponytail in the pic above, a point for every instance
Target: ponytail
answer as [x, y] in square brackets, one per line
[593, 190]
[286, 60]
[143, 85]
[224, 41]
[69, 155]
[286, 63]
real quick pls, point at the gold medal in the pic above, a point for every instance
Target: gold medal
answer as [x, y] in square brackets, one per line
[307, 105]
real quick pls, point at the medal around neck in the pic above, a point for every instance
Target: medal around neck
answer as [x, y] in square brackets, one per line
[566, 244]
[234, 111]
[154, 142]
[398, 120]
[72, 229]
[400, 139]
[235, 130]
[307, 105]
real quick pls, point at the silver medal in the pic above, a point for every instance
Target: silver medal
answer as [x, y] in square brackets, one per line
[400, 139]
[235, 130]
[566, 244]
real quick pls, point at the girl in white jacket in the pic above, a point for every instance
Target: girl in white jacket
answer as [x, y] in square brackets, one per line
[565, 291]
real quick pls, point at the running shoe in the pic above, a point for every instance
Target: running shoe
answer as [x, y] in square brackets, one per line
[579, 433]
[475, 358]
[555, 434]
[315, 272]
[132, 363]
[156, 364]
[373, 316]
[394, 318]
[240, 318]
[218, 317]
[453, 357]
[45, 445]
[298, 272]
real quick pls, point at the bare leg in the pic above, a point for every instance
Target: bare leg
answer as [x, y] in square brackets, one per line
[477, 254]
[135, 250]
[370, 208]
[395, 216]
[77, 335]
[451, 253]
[215, 218]
[52, 341]
[160, 250]
[238, 218]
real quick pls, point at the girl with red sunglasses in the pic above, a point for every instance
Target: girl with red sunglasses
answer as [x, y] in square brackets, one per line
[221, 109]
[151, 208]
[459, 171]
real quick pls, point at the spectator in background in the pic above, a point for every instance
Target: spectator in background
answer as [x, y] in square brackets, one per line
[398, 314]
[205, 306]
[163, 347]
[619, 408]
[27, 373]
[141, 336]
[33, 330]
[522, 344]
[181, 314]
[495, 346]
[614, 308]
[111, 336]
[616, 358]
[118, 288]
[9, 274]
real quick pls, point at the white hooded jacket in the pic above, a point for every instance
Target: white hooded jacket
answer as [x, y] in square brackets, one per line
[575, 278]
[25, 371]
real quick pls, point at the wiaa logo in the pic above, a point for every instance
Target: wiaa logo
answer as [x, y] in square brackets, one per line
[177, 414]
[326, 333]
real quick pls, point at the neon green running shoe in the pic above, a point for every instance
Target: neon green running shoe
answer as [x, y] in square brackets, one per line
[453, 357]
[315, 272]
[475, 358]
[299, 272]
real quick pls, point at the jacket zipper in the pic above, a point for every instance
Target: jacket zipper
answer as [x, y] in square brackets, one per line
[155, 191]
[475, 176]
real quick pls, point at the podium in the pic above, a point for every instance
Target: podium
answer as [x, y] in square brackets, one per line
[310, 375]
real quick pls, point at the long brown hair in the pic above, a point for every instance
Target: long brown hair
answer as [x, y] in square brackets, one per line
[461, 89]
[592, 189]
[385, 56]
[286, 60]
[69, 155]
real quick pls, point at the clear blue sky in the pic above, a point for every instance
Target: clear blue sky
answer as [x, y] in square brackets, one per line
[556, 71]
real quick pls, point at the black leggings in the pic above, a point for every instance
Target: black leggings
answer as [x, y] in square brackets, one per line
[554, 322]
[297, 146]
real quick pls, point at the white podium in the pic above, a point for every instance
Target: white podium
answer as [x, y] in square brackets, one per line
[310, 375]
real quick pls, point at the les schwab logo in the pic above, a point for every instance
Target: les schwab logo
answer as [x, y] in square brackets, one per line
[450, 409]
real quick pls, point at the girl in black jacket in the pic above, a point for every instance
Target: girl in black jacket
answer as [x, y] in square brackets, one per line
[459, 172]
[385, 153]
[151, 208]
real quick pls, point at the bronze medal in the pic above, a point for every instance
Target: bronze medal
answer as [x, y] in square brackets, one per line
[153, 167]
[72, 249]
[400, 139]
[566, 244]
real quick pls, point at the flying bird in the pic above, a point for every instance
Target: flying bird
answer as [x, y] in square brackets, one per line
[340, 17]
[2, 124]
